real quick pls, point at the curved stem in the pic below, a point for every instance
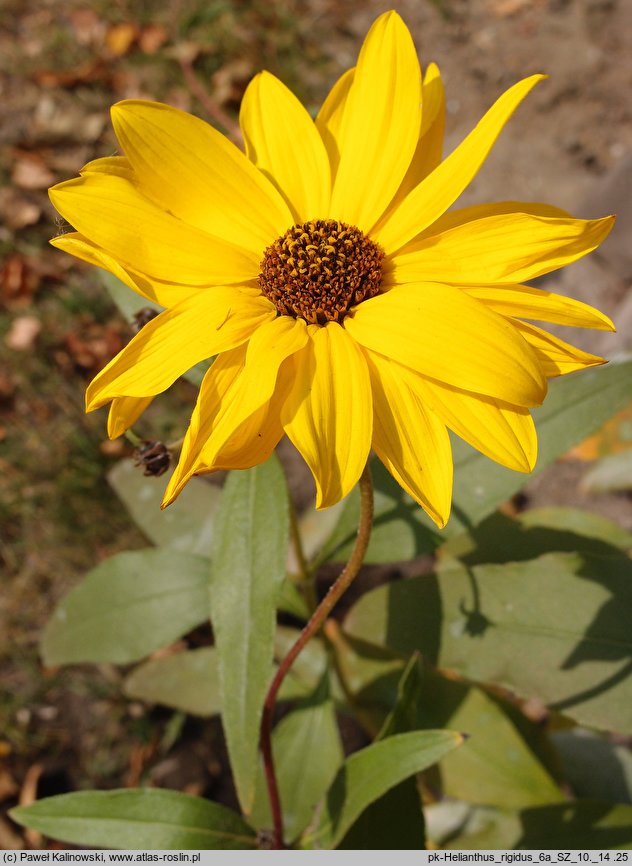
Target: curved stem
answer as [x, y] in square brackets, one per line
[317, 620]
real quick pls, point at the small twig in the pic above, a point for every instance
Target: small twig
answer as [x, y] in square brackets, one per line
[212, 108]
[313, 626]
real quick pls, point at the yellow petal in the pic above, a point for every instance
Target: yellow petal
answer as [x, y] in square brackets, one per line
[463, 215]
[112, 165]
[189, 169]
[410, 440]
[502, 432]
[113, 214]
[124, 413]
[510, 248]
[439, 331]
[526, 302]
[165, 294]
[215, 388]
[284, 144]
[429, 148]
[380, 126]
[434, 195]
[554, 355]
[201, 326]
[268, 348]
[328, 413]
[236, 421]
[329, 118]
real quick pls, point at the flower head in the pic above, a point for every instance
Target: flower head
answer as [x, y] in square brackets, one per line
[344, 305]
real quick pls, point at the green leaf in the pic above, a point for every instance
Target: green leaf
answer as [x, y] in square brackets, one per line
[500, 538]
[368, 774]
[186, 525]
[307, 754]
[248, 568]
[395, 822]
[595, 768]
[611, 473]
[591, 826]
[555, 628]
[127, 607]
[308, 669]
[400, 532]
[579, 522]
[291, 601]
[404, 715]
[575, 407]
[186, 681]
[129, 303]
[138, 819]
[495, 767]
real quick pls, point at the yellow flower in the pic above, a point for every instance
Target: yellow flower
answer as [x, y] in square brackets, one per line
[345, 306]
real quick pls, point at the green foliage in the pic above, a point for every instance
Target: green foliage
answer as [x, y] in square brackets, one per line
[575, 407]
[310, 729]
[127, 607]
[248, 569]
[188, 525]
[554, 628]
[142, 818]
[531, 609]
[370, 773]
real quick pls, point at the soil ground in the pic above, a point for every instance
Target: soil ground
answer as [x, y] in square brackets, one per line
[61, 67]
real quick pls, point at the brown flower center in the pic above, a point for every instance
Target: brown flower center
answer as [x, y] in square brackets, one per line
[318, 270]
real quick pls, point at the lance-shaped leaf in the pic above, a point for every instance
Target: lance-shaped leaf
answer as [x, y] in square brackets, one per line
[368, 774]
[186, 525]
[137, 819]
[555, 628]
[248, 568]
[127, 607]
[395, 820]
[186, 681]
[189, 680]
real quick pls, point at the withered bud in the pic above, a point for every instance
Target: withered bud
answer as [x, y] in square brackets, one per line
[143, 316]
[154, 457]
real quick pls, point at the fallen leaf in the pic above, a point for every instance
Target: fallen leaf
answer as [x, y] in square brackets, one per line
[18, 281]
[17, 210]
[120, 38]
[30, 172]
[88, 28]
[23, 333]
[152, 38]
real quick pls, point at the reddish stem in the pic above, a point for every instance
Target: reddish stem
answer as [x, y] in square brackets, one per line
[317, 620]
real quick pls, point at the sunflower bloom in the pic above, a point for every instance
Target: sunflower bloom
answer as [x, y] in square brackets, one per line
[344, 305]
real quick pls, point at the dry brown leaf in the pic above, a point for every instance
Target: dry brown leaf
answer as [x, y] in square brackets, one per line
[30, 172]
[91, 70]
[120, 38]
[23, 333]
[93, 347]
[18, 281]
[152, 38]
[88, 28]
[17, 210]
